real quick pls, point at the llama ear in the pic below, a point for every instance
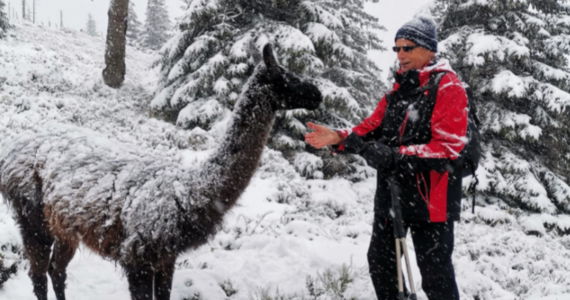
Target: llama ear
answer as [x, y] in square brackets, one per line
[270, 61]
[254, 52]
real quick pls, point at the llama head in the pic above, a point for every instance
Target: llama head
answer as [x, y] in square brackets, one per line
[289, 90]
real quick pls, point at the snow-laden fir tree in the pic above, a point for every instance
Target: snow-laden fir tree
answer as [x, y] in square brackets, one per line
[204, 67]
[157, 25]
[91, 26]
[514, 54]
[133, 25]
[4, 24]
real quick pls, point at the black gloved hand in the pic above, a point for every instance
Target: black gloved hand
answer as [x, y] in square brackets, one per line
[377, 154]
[380, 156]
[355, 145]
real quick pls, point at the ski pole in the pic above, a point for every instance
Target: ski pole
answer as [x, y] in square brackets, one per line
[400, 235]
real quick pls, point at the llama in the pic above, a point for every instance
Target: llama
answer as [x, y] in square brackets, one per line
[68, 187]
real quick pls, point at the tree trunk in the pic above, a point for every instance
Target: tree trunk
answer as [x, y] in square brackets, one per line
[114, 73]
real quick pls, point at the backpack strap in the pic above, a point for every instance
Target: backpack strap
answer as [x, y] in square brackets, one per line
[472, 187]
[472, 107]
[473, 115]
[432, 86]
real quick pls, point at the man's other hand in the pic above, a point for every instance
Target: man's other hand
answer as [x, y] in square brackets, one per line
[321, 136]
[380, 156]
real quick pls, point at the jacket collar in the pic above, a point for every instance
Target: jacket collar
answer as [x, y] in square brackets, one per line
[423, 75]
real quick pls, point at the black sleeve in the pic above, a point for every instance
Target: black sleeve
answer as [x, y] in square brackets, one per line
[377, 154]
[373, 135]
[355, 144]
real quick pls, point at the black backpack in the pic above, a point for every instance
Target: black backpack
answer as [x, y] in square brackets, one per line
[471, 154]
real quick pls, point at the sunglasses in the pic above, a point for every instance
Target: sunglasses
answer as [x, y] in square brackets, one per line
[405, 48]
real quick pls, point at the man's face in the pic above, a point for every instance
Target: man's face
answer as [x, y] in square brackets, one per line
[415, 59]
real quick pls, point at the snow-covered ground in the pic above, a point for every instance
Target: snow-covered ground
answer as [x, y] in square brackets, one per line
[285, 228]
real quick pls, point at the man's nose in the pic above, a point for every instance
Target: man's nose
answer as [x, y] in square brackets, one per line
[401, 54]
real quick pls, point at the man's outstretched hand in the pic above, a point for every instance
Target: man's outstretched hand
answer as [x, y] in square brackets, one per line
[321, 136]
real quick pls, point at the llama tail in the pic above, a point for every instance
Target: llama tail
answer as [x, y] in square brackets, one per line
[18, 175]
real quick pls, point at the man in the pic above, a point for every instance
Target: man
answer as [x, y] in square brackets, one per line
[415, 137]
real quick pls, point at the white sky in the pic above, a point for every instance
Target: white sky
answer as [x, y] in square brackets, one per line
[75, 11]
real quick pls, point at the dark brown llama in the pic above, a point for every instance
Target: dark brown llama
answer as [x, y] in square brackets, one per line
[69, 187]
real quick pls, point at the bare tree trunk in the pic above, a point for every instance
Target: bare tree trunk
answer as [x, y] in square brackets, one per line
[24, 9]
[114, 73]
[61, 19]
[34, 9]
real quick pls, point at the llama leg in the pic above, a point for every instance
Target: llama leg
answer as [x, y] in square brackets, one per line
[163, 281]
[37, 251]
[63, 252]
[37, 243]
[140, 281]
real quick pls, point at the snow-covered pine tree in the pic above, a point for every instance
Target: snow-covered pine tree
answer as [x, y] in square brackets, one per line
[204, 66]
[4, 24]
[514, 54]
[156, 26]
[133, 25]
[91, 26]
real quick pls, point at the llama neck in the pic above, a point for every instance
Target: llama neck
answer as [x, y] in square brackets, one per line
[226, 174]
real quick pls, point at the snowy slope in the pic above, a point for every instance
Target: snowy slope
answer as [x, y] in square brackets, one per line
[284, 229]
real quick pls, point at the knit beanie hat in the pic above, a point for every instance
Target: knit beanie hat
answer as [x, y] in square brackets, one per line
[422, 31]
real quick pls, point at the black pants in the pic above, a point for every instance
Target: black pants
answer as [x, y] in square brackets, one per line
[433, 243]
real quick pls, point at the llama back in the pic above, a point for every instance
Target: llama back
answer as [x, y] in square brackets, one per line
[67, 155]
[97, 189]
[17, 170]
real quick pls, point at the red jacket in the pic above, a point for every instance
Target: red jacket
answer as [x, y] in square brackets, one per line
[429, 138]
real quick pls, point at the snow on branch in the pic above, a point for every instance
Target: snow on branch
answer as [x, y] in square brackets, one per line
[499, 119]
[557, 45]
[498, 47]
[291, 39]
[556, 99]
[520, 181]
[515, 86]
[551, 73]
[320, 15]
[319, 33]
[201, 112]
[197, 7]
[337, 98]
